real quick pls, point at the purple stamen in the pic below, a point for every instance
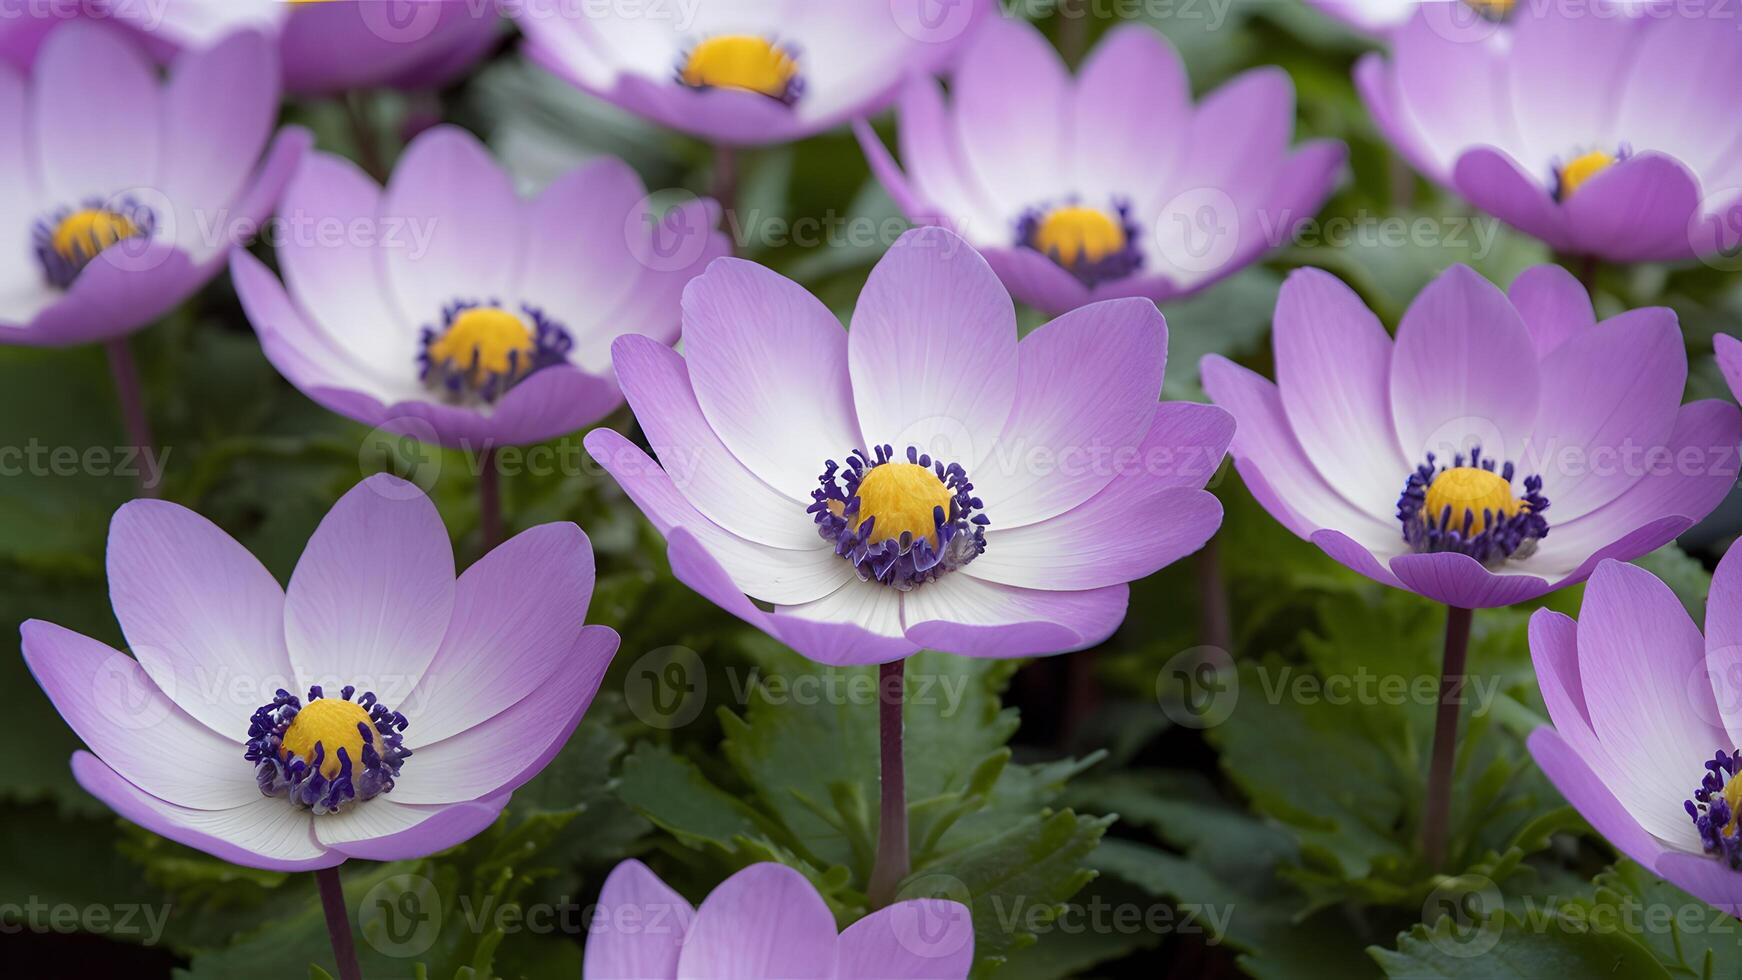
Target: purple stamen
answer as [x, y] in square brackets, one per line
[904, 562]
[1711, 812]
[1116, 265]
[468, 385]
[1502, 536]
[280, 772]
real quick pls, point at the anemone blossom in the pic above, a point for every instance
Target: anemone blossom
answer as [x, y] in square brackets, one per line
[1111, 184]
[767, 922]
[1647, 735]
[377, 708]
[323, 47]
[1497, 450]
[1604, 129]
[122, 195]
[922, 480]
[741, 73]
[448, 309]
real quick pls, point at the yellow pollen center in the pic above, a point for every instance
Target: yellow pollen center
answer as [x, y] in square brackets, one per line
[901, 496]
[1494, 9]
[83, 234]
[489, 334]
[1078, 235]
[1470, 489]
[333, 723]
[1581, 169]
[741, 61]
[1733, 795]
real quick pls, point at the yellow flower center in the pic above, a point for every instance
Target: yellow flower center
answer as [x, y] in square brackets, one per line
[332, 723]
[1492, 9]
[902, 497]
[1079, 235]
[1581, 169]
[741, 61]
[485, 341]
[82, 235]
[1470, 490]
[1733, 796]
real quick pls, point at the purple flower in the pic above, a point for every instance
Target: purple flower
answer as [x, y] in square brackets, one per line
[1109, 185]
[378, 708]
[1729, 352]
[1497, 451]
[448, 309]
[1647, 736]
[748, 74]
[1602, 132]
[767, 921]
[324, 48]
[120, 195]
[923, 480]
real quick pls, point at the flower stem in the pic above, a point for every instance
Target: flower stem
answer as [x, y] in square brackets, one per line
[724, 188]
[1436, 818]
[892, 858]
[1215, 626]
[1588, 269]
[338, 924]
[490, 500]
[129, 393]
[365, 135]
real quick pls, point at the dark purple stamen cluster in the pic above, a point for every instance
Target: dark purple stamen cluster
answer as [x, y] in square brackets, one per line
[462, 384]
[282, 773]
[59, 270]
[1502, 537]
[1091, 274]
[1711, 813]
[794, 87]
[903, 562]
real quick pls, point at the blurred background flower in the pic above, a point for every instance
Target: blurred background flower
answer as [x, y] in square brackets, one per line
[1601, 130]
[1109, 185]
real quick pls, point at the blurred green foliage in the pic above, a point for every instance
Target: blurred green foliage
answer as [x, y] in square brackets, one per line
[1279, 840]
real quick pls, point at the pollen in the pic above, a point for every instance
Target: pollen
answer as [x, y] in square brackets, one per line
[83, 234]
[485, 341]
[331, 723]
[1470, 490]
[741, 61]
[1581, 169]
[903, 498]
[1079, 236]
[1492, 9]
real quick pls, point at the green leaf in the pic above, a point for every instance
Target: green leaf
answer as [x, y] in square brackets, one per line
[1690, 938]
[1501, 947]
